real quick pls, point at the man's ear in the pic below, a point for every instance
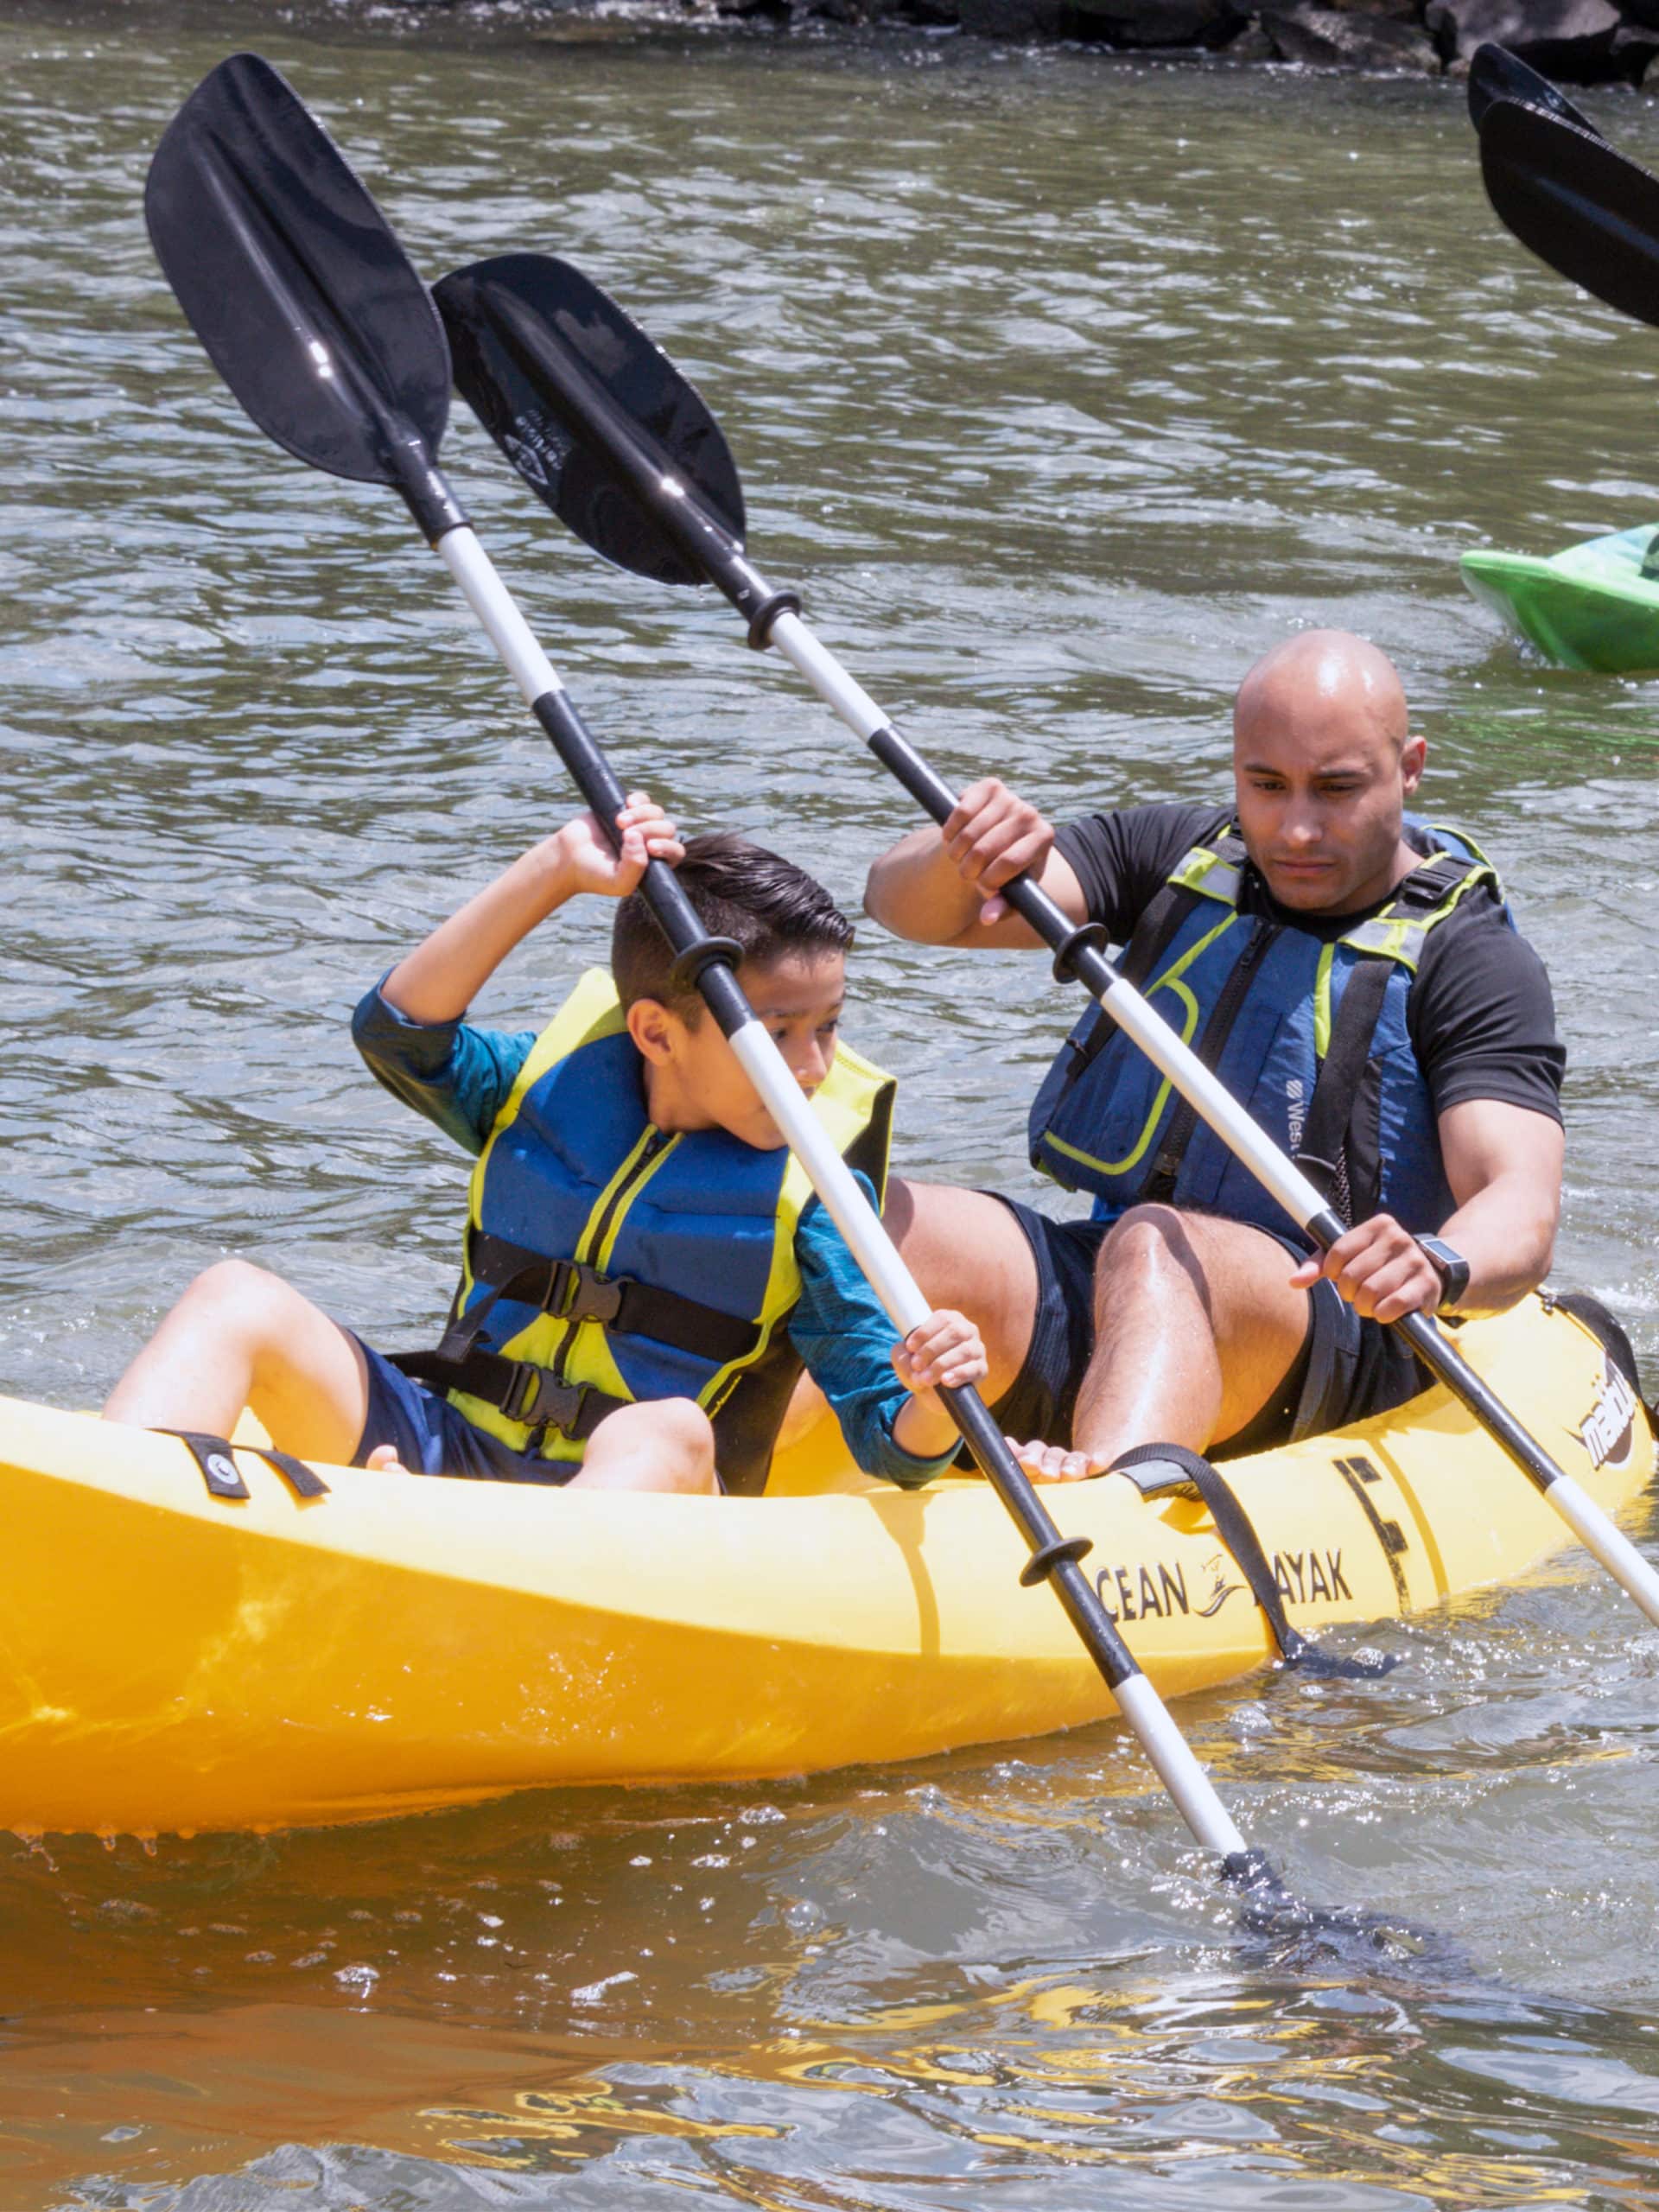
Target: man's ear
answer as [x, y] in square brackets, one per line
[1413, 753]
[650, 1024]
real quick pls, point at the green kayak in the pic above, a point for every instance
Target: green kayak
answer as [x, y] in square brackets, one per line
[1595, 605]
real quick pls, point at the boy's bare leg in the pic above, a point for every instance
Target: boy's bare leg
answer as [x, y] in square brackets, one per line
[242, 1337]
[1196, 1325]
[665, 1443]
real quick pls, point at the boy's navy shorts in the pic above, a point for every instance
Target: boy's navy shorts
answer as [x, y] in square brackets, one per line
[432, 1438]
[1348, 1368]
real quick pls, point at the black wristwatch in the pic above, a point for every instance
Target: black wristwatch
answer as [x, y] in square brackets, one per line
[1453, 1270]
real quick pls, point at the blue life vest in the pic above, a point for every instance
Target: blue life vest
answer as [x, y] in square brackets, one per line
[1311, 1036]
[609, 1262]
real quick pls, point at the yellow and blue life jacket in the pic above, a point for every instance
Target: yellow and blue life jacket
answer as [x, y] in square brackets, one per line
[609, 1262]
[1310, 1036]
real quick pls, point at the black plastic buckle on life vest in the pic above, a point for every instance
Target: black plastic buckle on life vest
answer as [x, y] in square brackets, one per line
[534, 1398]
[578, 1292]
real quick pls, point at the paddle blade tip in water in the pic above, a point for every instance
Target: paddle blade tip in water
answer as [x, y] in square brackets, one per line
[556, 372]
[1579, 205]
[292, 279]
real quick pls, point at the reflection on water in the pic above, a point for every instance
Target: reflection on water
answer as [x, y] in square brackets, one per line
[1065, 388]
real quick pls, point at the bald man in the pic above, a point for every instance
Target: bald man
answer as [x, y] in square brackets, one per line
[1354, 978]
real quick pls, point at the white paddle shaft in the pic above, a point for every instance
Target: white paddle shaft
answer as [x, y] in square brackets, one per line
[1272, 1168]
[1170, 1756]
[1175, 1061]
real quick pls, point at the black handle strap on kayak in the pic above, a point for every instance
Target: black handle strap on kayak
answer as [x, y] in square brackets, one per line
[215, 1456]
[1237, 1532]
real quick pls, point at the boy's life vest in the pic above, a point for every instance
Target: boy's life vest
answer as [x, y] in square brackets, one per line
[608, 1261]
[1310, 1035]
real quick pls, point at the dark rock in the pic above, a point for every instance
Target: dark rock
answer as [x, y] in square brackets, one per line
[1334, 38]
[1012, 18]
[1572, 39]
[1405, 11]
[1635, 43]
[1158, 22]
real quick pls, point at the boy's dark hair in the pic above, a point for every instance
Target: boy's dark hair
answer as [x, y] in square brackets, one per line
[770, 908]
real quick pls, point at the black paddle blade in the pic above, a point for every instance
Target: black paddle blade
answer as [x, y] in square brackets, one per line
[1580, 207]
[293, 281]
[538, 348]
[1496, 74]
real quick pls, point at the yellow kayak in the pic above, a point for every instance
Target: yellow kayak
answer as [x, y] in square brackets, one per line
[172, 1660]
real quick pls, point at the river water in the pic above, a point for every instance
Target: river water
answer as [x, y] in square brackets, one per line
[1067, 385]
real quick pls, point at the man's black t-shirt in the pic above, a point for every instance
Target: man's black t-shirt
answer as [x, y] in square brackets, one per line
[1479, 1013]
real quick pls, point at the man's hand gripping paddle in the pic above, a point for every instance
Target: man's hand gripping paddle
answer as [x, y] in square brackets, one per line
[573, 391]
[316, 318]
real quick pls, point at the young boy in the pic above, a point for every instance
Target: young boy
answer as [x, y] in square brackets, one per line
[646, 1268]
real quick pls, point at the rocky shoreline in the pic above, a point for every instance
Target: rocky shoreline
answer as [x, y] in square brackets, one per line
[1575, 42]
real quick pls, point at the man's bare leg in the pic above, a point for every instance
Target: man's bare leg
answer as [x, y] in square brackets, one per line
[1196, 1325]
[241, 1337]
[968, 1252]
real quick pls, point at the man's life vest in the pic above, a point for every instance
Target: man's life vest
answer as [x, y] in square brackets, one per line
[608, 1260]
[1310, 1036]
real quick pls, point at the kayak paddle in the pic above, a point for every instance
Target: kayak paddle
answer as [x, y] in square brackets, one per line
[316, 319]
[534, 342]
[1495, 74]
[1590, 213]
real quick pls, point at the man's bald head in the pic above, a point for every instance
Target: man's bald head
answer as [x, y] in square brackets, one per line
[1323, 761]
[1322, 679]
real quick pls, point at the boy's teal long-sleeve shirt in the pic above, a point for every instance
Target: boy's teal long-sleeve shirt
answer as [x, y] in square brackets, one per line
[460, 1078]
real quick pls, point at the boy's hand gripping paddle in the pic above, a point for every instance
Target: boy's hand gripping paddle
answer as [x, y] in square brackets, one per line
[536, 344]
[316, 319]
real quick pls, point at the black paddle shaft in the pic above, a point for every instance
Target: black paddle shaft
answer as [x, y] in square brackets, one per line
[313, 316]
[704, 960]
[1080, 952]
[532, 340]
[708, 962]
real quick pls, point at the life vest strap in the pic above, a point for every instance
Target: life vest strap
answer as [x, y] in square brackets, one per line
[1324, 1153]
[569, 1290]
[516, 1388]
